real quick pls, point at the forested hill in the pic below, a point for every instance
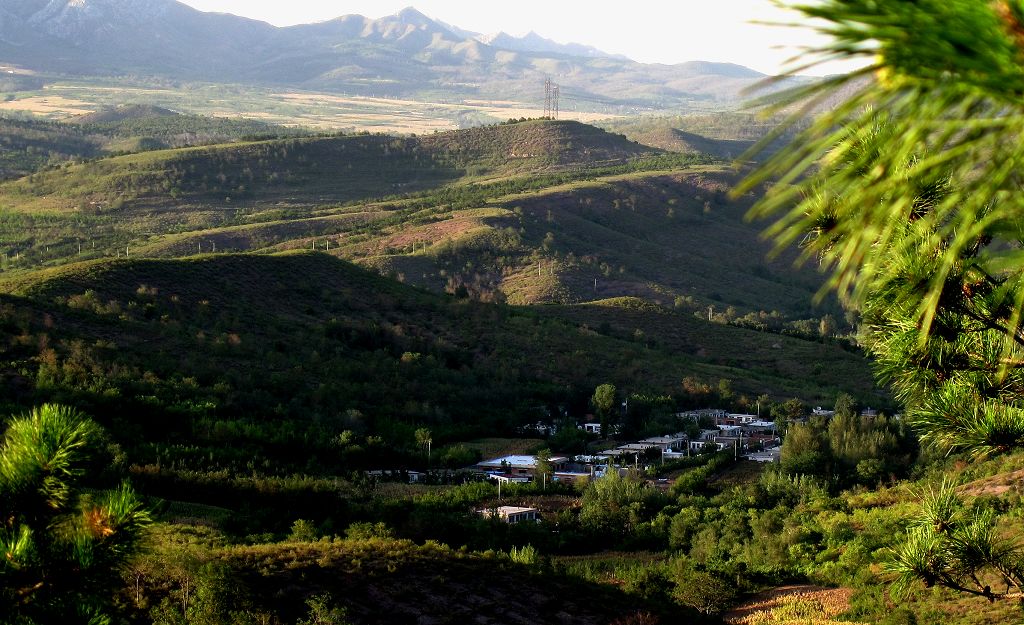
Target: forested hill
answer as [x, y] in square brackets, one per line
[309, 338]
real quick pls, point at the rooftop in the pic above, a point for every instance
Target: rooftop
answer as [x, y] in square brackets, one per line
[518, 462]
[637, 446]
[507, 510]
[663, 440]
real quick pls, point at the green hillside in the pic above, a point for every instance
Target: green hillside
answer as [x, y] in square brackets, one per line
[31, 145]
[320, 170]
[527, 212]
[244, 394]
[287, 346]
[658, 235]
[727, 135]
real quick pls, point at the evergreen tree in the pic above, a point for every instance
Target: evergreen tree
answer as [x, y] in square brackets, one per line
[63, 545]
[909, 191]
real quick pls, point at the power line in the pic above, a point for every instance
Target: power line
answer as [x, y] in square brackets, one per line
[550, 99]
[547, 97]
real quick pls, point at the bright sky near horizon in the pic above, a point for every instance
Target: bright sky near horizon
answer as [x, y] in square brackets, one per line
[649, 31]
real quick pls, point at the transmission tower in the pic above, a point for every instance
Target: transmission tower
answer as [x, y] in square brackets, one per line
[554, 101]
[547, 97]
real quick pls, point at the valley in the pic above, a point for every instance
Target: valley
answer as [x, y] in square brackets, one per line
[492, 276]
[382, 320]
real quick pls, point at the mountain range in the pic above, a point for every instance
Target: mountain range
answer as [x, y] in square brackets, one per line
[403, 55]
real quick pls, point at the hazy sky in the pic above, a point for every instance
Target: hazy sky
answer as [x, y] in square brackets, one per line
[650, 31]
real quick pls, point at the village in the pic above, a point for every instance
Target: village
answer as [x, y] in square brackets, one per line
[704, 431]
[709, 430]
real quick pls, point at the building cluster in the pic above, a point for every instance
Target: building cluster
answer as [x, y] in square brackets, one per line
[742, 432]
[731, 430]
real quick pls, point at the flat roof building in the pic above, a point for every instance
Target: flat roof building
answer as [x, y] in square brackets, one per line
[511, 514]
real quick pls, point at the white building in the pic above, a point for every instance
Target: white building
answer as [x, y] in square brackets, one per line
[511, 514]
[518, 465]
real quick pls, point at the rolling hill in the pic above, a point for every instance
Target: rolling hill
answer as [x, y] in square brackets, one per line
[31, 145]
[331, 169]
[215, 323]
[726, 135]
[528, 212]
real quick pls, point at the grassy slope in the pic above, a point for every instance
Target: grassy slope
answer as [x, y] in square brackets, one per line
[156, 200]
[654, 235]
[388, 581]
[725, 135]
[29, 146]
[333, 169]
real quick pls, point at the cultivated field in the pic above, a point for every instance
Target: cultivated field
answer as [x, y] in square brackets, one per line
[324, 111]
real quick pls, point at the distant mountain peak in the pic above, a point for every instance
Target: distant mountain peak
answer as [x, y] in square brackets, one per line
[533, 42]
[404, 54]
[414, 16]
[410, 12]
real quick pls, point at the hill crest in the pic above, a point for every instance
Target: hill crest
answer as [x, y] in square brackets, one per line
[358, 163]
[123, 112]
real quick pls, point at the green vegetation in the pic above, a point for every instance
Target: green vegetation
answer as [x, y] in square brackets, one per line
[308, 337]
[30, 145]
[911, 199]
[849, 449]
[321, 170]
[537, 211]
[245, 393]
[726, 135]
[63, 543]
